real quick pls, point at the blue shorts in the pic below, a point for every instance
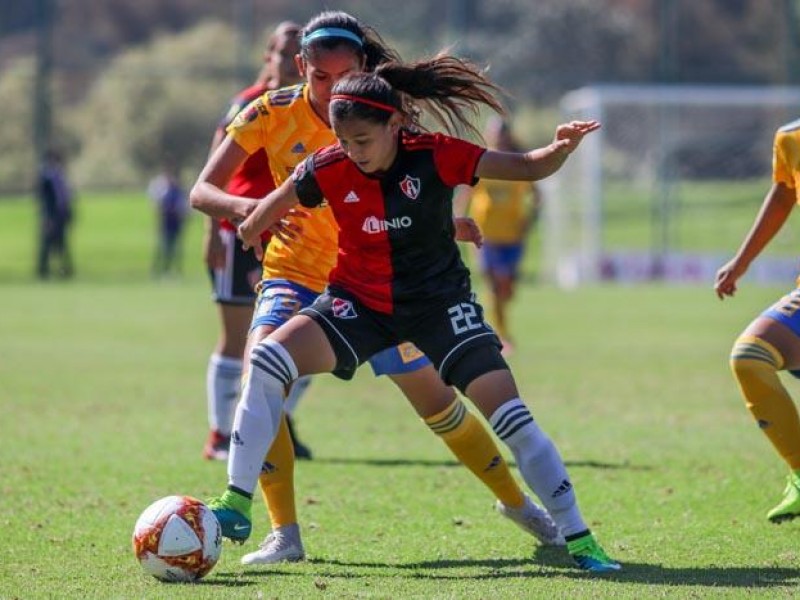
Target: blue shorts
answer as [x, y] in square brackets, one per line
[397, 360]
[501, 259]
[279, 300]
[786, 311]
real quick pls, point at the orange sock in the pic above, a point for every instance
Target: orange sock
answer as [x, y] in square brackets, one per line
[755, 365]
[277, 479]
[471, 443]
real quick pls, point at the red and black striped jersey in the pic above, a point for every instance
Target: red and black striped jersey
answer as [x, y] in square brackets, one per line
[396, 235]
[253, 178]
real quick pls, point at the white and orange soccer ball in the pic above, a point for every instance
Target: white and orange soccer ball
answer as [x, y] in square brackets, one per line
[177, 538]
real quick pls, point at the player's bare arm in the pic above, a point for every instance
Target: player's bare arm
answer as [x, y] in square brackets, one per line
[777, 206]
[267, 215]
[539, 163]
[208, 194]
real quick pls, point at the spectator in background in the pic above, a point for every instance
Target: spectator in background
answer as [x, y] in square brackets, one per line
[505, 211]
[171, 202]
[56, 200]
[235, 272]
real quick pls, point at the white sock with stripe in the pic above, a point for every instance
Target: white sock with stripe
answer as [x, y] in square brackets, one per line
[223, 381]
[259, 412]
[539, 463]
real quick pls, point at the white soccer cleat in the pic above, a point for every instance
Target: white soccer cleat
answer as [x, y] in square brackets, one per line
[535, 520]
[281, 545]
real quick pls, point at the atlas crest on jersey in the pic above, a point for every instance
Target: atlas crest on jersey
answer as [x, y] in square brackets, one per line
[343, 309]
[411, 186]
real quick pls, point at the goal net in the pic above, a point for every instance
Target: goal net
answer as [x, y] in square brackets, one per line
[668, 187]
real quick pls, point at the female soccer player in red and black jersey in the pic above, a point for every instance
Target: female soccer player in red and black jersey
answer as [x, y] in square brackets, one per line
[399, 275]
[289, 124]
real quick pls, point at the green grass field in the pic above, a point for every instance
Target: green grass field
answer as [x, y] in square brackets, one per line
[102, 411]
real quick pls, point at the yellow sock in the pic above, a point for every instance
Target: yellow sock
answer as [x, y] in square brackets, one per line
[755, 365]
[473, 446]
[277, 479]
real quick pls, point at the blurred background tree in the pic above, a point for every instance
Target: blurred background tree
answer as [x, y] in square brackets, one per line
[128, 80]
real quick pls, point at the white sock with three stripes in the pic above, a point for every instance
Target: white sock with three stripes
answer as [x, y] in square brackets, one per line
[539, 463]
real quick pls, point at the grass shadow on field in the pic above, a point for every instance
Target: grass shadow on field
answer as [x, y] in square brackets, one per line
[422, 462]
[549, 562]
[710, 576]
[659, 575]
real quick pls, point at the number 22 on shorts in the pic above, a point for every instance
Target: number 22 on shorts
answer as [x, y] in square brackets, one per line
[464, 317]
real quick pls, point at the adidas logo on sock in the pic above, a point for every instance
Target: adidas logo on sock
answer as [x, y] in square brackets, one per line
[493, 464]
[562, 489]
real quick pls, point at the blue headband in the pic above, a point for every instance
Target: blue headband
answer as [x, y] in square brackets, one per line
[332, 32]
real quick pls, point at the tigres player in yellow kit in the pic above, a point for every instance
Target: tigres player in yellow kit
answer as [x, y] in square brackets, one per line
[505, 212]
[290, 124]
[771, 343]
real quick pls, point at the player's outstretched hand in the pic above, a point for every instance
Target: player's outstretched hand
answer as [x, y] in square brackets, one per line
[467, 230]
[727, 276]
[569, 135]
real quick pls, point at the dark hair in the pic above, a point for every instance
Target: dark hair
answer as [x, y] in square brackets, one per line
[369, 44]
[447, 87]
[290, 29]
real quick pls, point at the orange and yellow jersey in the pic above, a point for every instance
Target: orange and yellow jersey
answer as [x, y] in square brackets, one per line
[283, 123]
[786, 157]
[500, 210]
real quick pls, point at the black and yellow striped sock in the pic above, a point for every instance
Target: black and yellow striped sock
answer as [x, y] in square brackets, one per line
[755, 364]
[277, 479]
[469, 440]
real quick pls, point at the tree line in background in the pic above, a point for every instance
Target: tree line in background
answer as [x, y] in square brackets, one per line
[135, 80]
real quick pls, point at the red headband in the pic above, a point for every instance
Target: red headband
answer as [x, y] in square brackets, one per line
[366, 101]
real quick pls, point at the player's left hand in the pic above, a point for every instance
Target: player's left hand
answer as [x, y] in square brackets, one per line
[727, 276]
[467, 230]
[569, 135]
[250, 238]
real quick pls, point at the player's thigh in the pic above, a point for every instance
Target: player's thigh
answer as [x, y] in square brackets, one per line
[278, 301]
[354, 331]
[307, 344]
[446, 332]
[779, 325]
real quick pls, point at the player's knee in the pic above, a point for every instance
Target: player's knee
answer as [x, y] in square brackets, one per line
[739, 367]
[751, 355]
[272, 361]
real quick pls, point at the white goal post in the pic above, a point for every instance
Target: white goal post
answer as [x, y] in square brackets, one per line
[669, 185]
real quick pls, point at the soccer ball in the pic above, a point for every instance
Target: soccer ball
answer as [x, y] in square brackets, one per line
[177, 538]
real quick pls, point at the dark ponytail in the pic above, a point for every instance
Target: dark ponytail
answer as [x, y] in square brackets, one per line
[447, 87]
[364, 42]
